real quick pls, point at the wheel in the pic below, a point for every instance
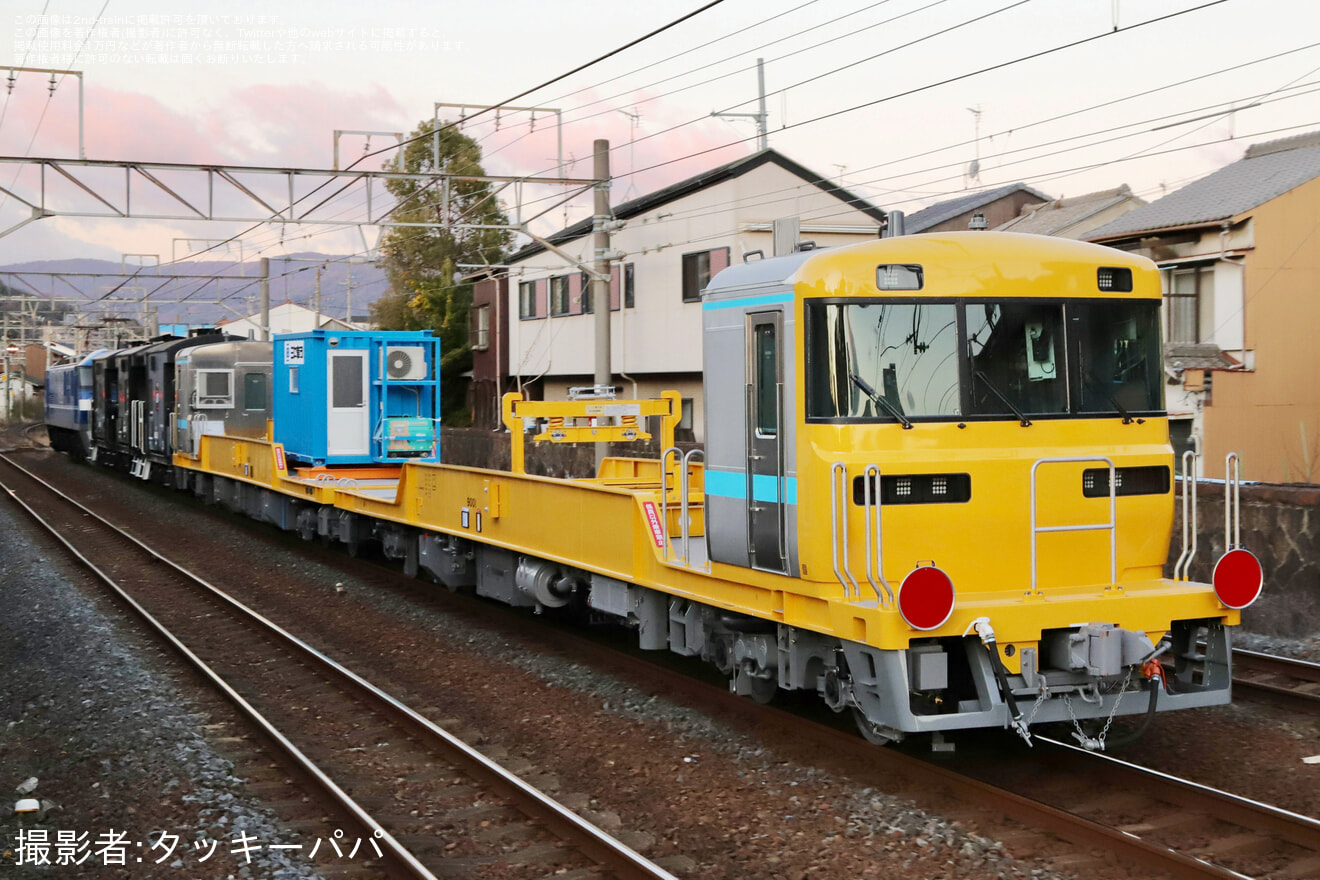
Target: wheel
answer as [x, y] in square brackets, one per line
[410, 559]
[875, 734]
[763, 689]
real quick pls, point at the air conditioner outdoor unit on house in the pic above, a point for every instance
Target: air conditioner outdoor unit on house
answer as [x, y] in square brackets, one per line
[403, 362]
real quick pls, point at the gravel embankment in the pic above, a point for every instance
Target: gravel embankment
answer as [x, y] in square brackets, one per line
[113, 742]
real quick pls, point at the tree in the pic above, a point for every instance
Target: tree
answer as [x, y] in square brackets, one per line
[420, 262]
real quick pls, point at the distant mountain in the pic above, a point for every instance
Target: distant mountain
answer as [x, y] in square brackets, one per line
[292, 279]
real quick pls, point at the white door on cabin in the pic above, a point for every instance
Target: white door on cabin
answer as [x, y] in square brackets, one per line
[347, 420]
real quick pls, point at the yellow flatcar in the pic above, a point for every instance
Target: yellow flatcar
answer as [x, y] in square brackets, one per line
[937, 489]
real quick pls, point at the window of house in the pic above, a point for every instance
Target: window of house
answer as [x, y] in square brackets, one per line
[629, 297]
[559, 295]
[479, 334]
[698, 269]
[584, 284]
[1189, 304]
[527, 299]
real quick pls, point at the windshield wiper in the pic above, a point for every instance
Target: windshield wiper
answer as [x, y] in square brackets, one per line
[1093, 382]
[881, 401]
[1022, 418]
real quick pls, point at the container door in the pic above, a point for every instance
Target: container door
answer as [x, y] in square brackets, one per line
[765, 459]
[347, 429]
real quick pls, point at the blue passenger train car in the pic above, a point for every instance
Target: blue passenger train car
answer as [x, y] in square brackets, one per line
[348, 398]
[69, 404]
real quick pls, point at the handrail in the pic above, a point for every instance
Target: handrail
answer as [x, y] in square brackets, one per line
[664, 496]
[1232, 501]
[839, 537]
[871, 496]
[683, 502]
[1183, 567]
[1111, 525]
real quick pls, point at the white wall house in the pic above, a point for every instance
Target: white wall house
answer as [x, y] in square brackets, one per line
[674, 239]
[285, 318]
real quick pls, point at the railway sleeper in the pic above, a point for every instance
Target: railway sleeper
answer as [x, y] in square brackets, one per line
[1079, 673]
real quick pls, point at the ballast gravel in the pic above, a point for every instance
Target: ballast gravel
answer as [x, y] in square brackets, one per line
[115, 746]
[707, 794]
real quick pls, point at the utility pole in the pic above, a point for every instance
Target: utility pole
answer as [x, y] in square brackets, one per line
[761, 117]
[265, 299]
[348, 295]
[9, 381]
[600, 285]
[317, 301]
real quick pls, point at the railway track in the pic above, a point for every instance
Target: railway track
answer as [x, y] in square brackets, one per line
[1295, 683]
[1115, 811]
[426, 802]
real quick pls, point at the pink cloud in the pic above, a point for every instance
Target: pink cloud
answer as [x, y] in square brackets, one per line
[284, 125]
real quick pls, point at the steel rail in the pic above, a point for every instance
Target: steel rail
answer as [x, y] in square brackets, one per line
[1283, 667]
[892, 764]
[398, 854]
[1295, 828]
[613, 855]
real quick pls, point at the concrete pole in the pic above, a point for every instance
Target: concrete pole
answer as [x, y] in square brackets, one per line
[348, 295]
[265, 299]
[600, 286]
[318, 297]
[9, 382]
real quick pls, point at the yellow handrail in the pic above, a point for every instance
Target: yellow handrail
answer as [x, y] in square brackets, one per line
[669, 406]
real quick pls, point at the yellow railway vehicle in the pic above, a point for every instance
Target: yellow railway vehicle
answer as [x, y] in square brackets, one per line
[937, 489]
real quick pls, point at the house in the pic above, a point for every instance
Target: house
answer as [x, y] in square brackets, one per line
[287, 317]
[998, 205]
[533, 326]
[1240, 257]
[1075, 216]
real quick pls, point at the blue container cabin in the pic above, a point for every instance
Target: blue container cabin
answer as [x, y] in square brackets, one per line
[355, 398]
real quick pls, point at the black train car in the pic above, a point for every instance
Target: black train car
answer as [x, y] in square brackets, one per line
[133, 402]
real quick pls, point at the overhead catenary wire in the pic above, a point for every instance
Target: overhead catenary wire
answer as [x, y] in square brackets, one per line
[916, 89]
[790, 193]
[401, 144]
[650, 98]
[1020, 128]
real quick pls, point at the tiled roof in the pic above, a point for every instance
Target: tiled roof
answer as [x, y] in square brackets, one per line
[939, 212]
[728, 171]
[1197, 356]
[1267, 171]
[1061, 215]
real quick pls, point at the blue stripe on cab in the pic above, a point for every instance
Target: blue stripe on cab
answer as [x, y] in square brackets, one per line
[733, 484]
[745, 301]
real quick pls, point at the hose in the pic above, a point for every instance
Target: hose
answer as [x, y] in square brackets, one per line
[1154, 683]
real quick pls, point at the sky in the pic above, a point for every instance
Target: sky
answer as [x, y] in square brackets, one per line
[896, 100]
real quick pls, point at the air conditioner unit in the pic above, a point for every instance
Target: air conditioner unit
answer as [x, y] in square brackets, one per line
[404, 362]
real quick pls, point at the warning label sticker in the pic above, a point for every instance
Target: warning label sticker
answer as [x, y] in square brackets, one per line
[653, 520]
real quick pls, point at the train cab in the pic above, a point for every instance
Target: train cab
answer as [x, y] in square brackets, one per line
[966, 430]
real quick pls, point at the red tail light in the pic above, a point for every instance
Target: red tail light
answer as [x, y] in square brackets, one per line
[1238, 578]
[925, 598]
